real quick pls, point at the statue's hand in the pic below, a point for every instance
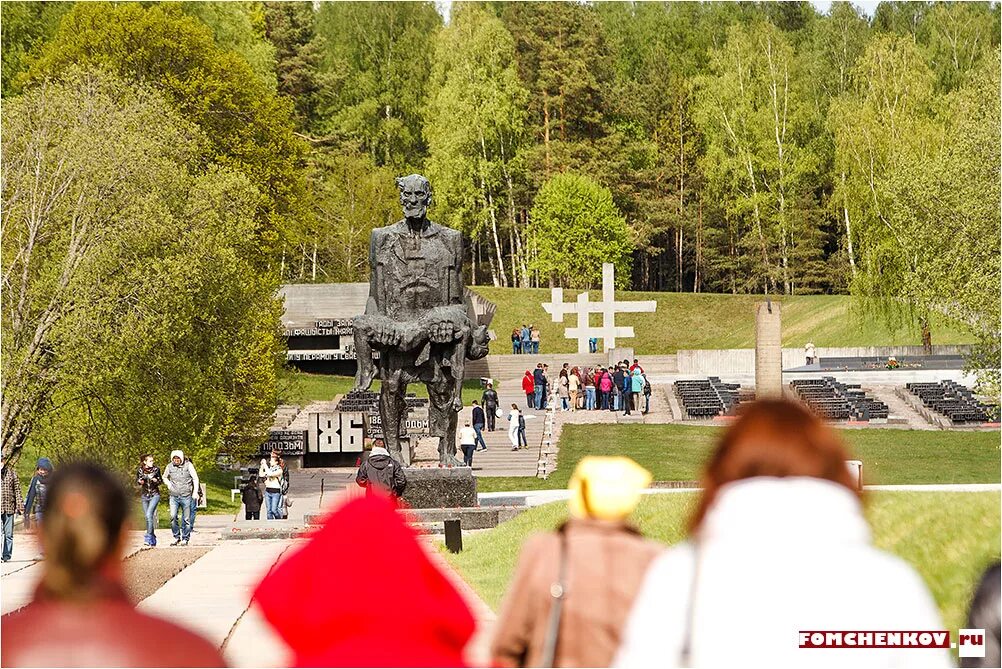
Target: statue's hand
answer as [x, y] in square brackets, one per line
[387, 334]
[457, 404]
[442, 332]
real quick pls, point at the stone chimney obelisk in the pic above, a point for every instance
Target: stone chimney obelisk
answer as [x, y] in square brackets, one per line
[768, 350]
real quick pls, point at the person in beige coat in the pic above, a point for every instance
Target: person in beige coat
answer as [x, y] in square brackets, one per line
[589, 570]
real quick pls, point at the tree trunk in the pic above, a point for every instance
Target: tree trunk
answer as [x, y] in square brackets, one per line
[699, 242]
[926, 335]
[546, 135]
[848, 229]
[314, 259]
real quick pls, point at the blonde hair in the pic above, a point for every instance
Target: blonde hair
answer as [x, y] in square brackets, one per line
[85, 511]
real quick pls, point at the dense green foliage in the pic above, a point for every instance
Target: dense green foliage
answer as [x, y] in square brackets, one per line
[703, 147]
[576, 228]
[134, 317]
[677, 453]
[948, 538]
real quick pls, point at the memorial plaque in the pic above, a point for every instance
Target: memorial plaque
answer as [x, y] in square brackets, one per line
[286, 442]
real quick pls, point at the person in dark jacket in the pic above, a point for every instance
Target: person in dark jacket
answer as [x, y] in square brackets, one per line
[381, 471]
[37, 490]
[479, 420]
[539, 385]
[148, 480]
[490, 402]
[617, 382]
[11, 503]
[522, 441]
[252, 497]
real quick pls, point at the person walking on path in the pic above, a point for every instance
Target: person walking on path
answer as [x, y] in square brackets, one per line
[539, 386]
[182, 481]
[563, 390]
[534, 339]
[526, 343]
[776, 535]
[196, 497]
[380, 471]
[809, 352]
[148, 480]
[516, 341]
[595, 562]
[467, 443]
[589, 389]
[479, 420]
[251, 496]
[529, 388]
[326, 620]
[573, 387]
[270, 472]
[81, 614]
[490, 401]
[11, 504]
[34, 503]
[513, 418]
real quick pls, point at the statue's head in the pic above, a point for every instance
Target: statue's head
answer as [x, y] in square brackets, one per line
[415, 195]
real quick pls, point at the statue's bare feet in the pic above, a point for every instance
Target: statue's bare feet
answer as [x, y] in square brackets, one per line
[364, 377]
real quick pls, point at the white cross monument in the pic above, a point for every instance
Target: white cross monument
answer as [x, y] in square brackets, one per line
[608, 307]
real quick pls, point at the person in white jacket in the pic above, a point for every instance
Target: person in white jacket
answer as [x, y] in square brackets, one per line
[778, 546]
[513, 417]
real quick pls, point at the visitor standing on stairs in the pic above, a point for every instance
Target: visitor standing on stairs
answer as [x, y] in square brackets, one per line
[539, 386]
[529, 388]
[638, 383]
[513, 419]
[490, 401]
[479, 420]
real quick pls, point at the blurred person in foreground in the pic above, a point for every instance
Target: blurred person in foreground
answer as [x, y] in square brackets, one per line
[81, 615]
[777, 545]
[986, 614]
[574, 587]
[403, 612]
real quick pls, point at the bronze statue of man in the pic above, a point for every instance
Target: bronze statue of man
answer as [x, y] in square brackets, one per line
[418, 318]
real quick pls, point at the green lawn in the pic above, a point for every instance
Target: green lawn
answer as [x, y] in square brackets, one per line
[695, 321]
[302, 388]
[677, 453]
[949, 538]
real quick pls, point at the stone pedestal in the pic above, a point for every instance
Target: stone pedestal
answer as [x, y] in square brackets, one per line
[621, 353]
[768, 351]
[440, 487]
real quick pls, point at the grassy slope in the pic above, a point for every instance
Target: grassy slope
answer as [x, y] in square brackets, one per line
[695, 321]
[303, 388]
[949, 538]
[677, 452]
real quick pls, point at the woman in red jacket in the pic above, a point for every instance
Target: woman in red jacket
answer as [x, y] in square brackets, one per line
[529, 388]
[81, 615]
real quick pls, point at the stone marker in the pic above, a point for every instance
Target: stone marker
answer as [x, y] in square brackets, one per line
[768, 351]
[440, 487]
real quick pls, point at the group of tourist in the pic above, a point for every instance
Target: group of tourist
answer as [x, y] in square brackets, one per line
[618, 387]
[777, 543]
[274, 472]
[525, 340]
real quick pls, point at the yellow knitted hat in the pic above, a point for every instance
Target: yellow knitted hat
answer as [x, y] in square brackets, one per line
[607, 488]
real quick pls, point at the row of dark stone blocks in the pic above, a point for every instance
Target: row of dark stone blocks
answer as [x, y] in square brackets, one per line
[706, 398]
[368, 402]
[833, 400]
[955, 401]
